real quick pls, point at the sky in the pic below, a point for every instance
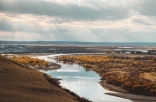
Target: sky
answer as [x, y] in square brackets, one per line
[78, 20]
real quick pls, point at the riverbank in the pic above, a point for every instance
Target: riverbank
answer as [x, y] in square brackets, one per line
[119, 75]
[123, 93]
[51, 66]
[119, 92]
[20, 83]
[30, 60]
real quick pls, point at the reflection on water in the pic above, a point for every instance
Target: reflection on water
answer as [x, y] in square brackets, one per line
[85, 84]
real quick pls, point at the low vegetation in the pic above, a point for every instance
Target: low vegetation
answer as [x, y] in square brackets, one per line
[34, 62]
[135, 74]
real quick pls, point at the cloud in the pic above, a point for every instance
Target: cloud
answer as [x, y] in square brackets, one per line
[148, 8]
[88, 35]
[32, 27]
[85, 20]
[142, 22]
[5, 26]
[66, 11]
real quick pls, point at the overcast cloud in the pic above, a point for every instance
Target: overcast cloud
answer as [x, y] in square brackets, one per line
[78, 20]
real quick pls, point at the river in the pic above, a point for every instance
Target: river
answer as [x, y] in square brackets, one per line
[77, 79]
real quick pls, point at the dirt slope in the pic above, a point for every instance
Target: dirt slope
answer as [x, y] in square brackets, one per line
[23, 84]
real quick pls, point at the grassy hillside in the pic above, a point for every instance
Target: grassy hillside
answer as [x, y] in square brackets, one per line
[19, 83]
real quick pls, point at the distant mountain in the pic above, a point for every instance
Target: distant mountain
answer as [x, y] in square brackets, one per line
[81, 43]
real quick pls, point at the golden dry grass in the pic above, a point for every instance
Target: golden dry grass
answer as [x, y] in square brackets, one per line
[135, 74]
[150, 76]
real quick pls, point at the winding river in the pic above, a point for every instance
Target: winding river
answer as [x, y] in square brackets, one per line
[77, 79]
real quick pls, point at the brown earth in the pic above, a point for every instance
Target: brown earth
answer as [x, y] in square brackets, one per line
[19, 83]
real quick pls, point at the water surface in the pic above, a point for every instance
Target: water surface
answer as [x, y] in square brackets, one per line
[84, 83]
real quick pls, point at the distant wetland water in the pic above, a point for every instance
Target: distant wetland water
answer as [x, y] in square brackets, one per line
[77, 79]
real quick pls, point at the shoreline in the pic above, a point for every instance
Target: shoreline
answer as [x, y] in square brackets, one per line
[119, 92]
[51, 66]
[122, 93]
